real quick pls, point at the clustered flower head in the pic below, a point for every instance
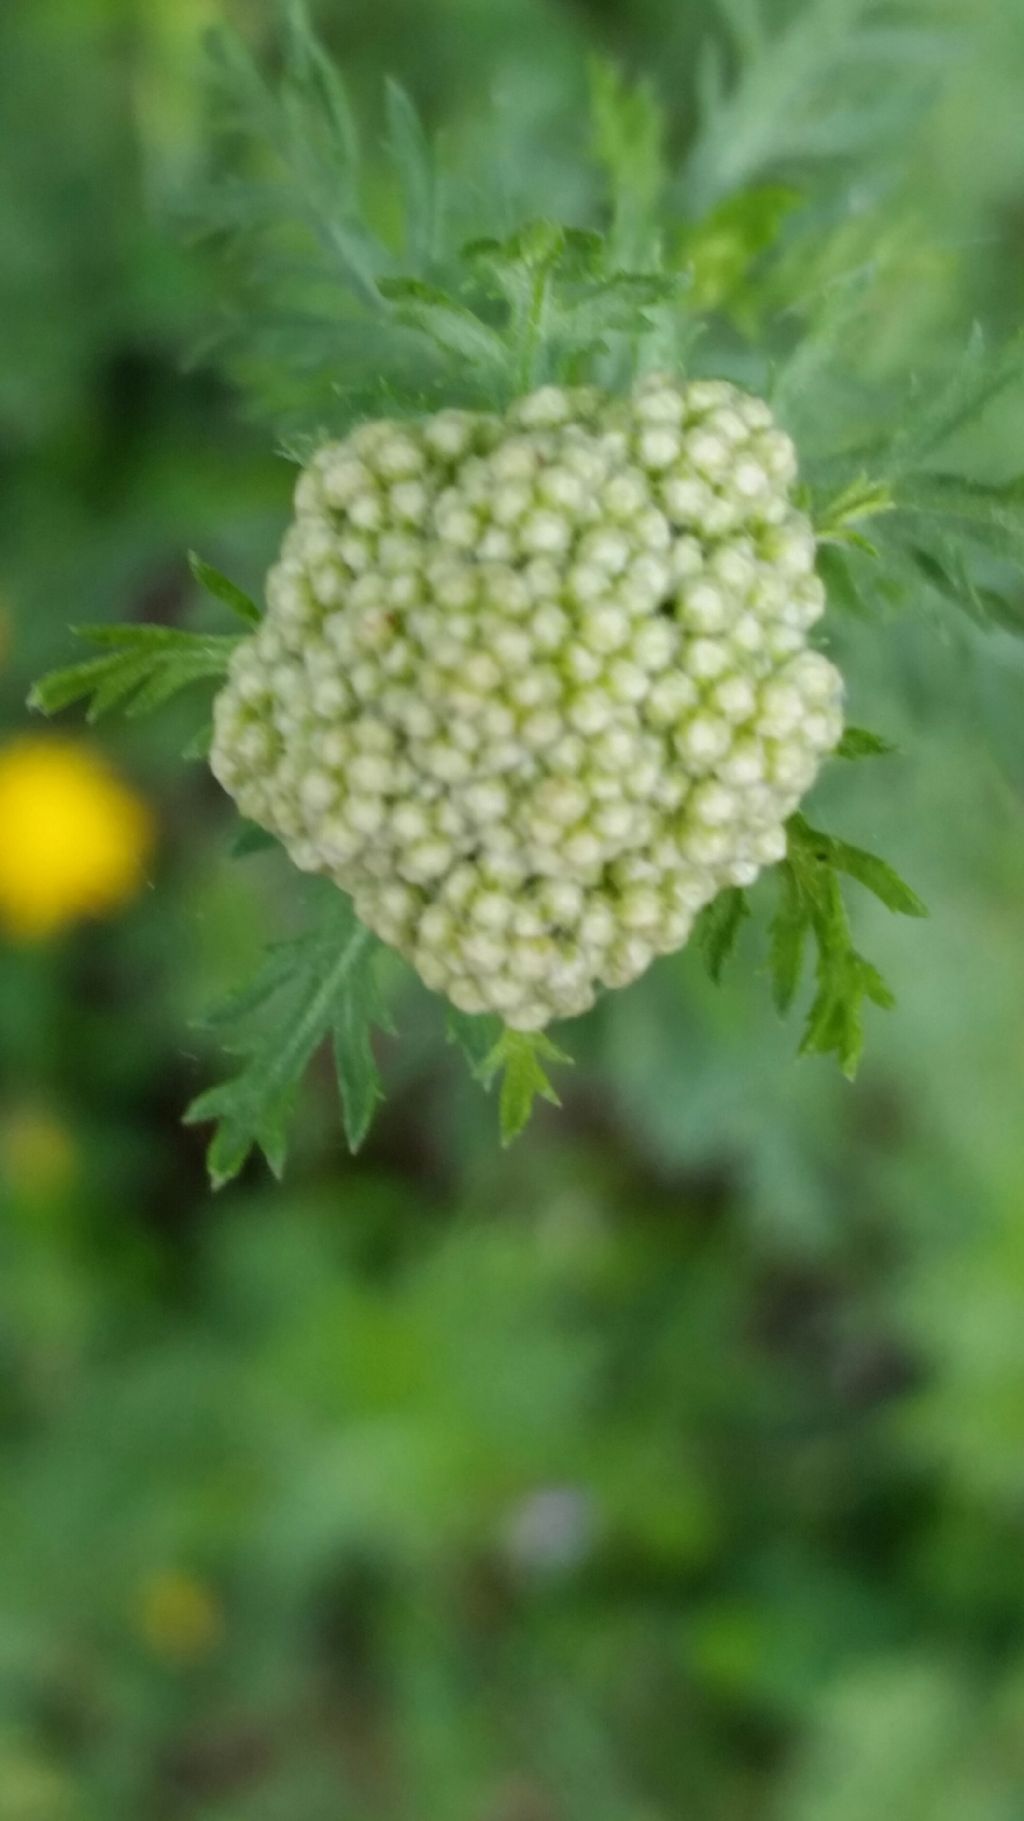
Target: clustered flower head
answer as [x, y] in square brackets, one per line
[535, 688]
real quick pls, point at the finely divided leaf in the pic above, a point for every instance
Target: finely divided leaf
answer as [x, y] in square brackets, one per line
[811, 907]
[990, 517]
[784, 98]
[835, 1024]
[517, 1057]
[448, 323]
[879, 877]
[789, 932]
[317, 987]
[314, 74]
[876, 874]
[975, 381]
[938, 532]
[860, 500]
[284, 197]
[719, 927]
[360, 1010]
[628, 142]
[619, 305]
[722, 251]
[223, 590]
[416, 165]
[141, 669]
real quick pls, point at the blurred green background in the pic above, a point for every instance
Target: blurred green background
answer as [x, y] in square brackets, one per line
[670, 1464]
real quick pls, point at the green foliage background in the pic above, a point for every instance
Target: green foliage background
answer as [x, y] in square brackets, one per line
[671, 1463]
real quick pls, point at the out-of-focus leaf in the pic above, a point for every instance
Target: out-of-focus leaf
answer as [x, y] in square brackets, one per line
[860, 743]
[450, 324]
[721, 250]
[628, 126]
[416, 165]
[251, 839]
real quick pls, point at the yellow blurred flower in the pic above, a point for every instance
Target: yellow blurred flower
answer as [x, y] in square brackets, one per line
[179, 1617]
[74, 841]
[37, 1152]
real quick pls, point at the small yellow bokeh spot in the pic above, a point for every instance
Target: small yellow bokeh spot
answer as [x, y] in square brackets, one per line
[179, 1617]
[74, 840]
[38, 1154]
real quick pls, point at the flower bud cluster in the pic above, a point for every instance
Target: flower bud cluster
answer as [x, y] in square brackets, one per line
[534, 688]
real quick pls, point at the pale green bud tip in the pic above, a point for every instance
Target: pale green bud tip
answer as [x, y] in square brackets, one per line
[534, 689]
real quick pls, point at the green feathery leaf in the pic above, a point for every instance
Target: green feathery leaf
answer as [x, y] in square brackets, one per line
[518, 1057]
[141, 669]
[990, 518]
[939, 535]
[628, 126]
[718, 929]
[320, 986]
[934, 415]
[862, 499]
[721, 251]
[875, 874]
[416, 165]
[789, 931]
[223, 590]
[359, 1011]
[845, 979]
[454, 328]
[811, 906]
[808, 89]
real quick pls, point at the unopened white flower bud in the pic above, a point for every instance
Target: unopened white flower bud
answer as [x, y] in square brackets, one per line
[535, 689]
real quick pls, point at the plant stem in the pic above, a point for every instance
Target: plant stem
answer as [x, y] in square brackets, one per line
[532, 329]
